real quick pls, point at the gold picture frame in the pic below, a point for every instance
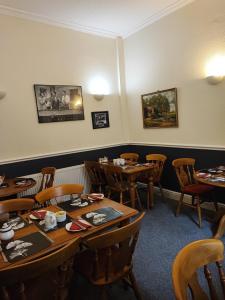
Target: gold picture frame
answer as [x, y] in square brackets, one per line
[159, 109]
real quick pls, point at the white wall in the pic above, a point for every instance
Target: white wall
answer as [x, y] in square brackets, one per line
[35, 53]
[172, 53]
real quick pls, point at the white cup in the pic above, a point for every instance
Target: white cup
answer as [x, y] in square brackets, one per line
[122, 161]
[60, 216]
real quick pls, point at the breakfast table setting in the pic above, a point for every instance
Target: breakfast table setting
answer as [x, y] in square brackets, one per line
[48, 228]
[13, 186]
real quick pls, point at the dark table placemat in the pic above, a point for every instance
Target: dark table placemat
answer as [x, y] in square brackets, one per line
[41, 224]
[29, 245]
[109, 212]
[68, 207]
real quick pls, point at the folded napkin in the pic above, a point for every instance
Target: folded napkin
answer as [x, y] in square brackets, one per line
[79, 224]
[39, 214]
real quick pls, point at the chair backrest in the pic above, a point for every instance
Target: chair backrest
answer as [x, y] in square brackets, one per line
[57, 191]
[95, 172]
[113, 175]
[192, 257]
[113, 251]
[158, 160]
[48, 175]
[184, 168]
[16, 205]
[22, 273]
[133, 157]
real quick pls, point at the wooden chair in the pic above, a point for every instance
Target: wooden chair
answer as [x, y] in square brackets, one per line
[96, 176]
[116, 182]
[221, 228]
[158, 160]
[46, 277]
[184, 168]
[48, 175]
[108, 257]
[44, 197]
[130, 157]
[19, 206]
[193, 256]
[47, 180]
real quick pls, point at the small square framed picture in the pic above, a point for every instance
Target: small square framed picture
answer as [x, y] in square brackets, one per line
[100, 119]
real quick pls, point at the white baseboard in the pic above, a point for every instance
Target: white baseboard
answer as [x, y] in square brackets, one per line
[173, 195]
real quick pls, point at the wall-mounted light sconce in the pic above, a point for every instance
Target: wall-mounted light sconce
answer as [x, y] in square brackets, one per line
[98, 97]
[215, 70]
[2, 94]
[98, 88]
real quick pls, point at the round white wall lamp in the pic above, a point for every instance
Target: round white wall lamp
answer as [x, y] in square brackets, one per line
[215, 69]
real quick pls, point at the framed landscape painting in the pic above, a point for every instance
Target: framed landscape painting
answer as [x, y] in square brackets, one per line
[100, 119]
[160, 109]
[58, 103]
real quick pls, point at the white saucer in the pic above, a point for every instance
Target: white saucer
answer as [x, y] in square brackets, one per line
[68, 228]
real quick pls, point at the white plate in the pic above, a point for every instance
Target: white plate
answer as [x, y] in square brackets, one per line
[98, 196]
[68, 228]
[32, 217]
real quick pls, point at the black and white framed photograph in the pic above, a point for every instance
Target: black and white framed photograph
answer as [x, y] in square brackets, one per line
[100, 119]
[58, 103]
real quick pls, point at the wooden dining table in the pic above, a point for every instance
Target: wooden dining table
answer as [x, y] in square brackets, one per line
[210, 178]
[61, 236]
[132, 171]
[13, 189]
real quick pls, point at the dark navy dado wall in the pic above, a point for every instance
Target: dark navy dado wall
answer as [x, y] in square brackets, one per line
[204, 159]
[59, 161]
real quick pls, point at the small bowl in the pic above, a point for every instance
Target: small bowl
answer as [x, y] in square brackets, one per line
[60, 216]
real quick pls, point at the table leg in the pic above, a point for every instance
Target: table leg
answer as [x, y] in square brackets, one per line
[132, 190]
[150, 202]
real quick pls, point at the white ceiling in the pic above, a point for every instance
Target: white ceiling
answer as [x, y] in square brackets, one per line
[110, 18]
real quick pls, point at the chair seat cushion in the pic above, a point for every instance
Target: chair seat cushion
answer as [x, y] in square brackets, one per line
[197, 189]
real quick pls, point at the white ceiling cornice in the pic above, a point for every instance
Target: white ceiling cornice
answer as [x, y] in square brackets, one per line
[9, 11]
[6, 10]
[155, 17]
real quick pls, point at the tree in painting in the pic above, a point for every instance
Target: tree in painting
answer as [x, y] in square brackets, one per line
[160, 109]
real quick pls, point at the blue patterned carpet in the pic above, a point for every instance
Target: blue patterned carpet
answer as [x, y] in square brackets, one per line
[162, 236]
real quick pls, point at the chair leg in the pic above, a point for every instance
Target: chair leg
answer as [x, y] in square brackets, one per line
[103, 295]
[214, 201]
[199, 212]
[134, 286]
[121, 197]
[139, 200]
[109, 194]
[161, 191]
[179, 204]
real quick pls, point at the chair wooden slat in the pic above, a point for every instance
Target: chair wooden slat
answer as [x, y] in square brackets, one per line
[108, 257]
[196, 255]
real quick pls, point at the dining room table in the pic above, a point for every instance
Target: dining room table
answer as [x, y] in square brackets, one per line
[214, 177]
[14, 186]
[60, 236]
[131, 170]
